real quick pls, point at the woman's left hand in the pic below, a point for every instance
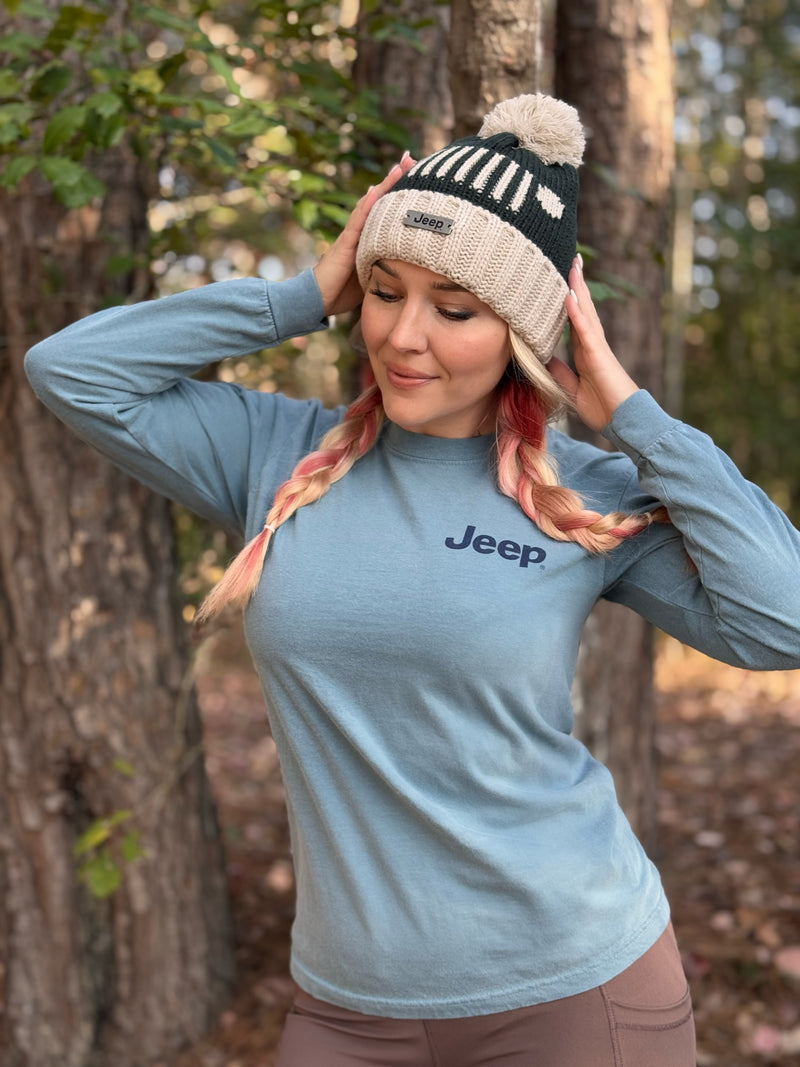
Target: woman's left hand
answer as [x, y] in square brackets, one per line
[599, 383]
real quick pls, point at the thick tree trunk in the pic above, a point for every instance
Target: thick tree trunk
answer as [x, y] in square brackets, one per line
[494, 54]
[97, 713]
[614, 63]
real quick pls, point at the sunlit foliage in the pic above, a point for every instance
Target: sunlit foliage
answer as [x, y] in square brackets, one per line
[738, 134]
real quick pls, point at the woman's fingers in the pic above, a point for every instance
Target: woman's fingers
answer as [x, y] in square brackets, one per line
[335, 271]
[375, 192]
[599, 383]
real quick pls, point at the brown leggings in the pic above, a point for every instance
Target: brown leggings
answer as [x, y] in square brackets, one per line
[641, 1018]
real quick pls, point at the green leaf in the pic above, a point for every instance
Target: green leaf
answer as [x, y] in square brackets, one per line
[224, 70]
[14, 122]
[168, 21]
[305, 211]
[335, 213]
[602, 291]
[130, 847]
[147, 80]
[16, 113]
[101, 875]
[222, 152]
[104, 104]
[34, 9]
[9, 86]
[63, 29]
[120, 765]
[99, 831]
[95, 835]
[71, 20]
[62, 126]
[52, 80]
[16, 169]
[247, 126]
[18, 45]
[60, 171]
[116, 817]
[171, 66]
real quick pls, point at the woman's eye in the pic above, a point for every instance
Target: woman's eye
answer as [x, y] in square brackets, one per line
[455, 315]
[383, 295]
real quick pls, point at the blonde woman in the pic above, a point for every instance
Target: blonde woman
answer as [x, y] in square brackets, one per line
[417, 575]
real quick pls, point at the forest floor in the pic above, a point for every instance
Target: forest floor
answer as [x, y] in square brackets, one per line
[728, 851]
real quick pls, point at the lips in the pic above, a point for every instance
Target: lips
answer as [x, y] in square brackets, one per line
[402, 377]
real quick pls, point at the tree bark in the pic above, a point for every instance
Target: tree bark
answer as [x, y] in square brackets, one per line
[494, 54]
[98, 713]
[412, 82]
[614, 63]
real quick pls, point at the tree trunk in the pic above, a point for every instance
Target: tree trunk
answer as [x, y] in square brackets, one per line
[614, 63]
[412, 81]
[98, 714]
[495, 53]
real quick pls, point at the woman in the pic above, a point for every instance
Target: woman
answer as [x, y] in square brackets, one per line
[469, 892]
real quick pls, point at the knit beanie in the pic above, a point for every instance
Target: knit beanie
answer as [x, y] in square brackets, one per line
[495, 213]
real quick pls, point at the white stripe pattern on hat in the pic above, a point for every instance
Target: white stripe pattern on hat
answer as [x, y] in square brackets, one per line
[428, 164]
[468, 164]
[486, 172]
[505, 180]
[451, 162]
[522, 191]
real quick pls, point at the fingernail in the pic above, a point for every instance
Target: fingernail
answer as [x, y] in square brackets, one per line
[574, 295]
[370, 189]
[406, 155]
[579, 258]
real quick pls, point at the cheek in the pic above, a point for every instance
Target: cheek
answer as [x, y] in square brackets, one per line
[486, 360]
[371, 329]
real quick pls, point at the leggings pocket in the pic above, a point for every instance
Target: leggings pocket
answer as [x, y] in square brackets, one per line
[659, 1036]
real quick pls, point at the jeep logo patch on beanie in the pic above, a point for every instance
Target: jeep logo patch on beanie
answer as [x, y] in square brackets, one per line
[425, 221]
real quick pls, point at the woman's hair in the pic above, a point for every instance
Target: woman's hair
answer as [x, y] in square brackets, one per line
[529, 398]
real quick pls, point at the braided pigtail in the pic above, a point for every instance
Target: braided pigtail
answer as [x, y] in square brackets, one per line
[311, 478]
[526, 473]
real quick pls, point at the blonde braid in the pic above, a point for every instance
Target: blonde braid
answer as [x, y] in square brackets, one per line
[311, 478]
[529, 399]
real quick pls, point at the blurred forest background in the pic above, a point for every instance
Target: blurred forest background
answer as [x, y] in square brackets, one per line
[150, 147]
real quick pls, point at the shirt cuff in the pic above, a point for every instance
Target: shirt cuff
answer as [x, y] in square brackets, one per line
[296, 305]
[637, 424]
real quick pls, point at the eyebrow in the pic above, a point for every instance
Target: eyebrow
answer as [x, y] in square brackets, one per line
[447, 287]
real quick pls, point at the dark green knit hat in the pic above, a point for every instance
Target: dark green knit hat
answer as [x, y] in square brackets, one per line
[496, 213]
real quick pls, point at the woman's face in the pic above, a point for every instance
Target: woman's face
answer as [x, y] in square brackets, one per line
[437, 352]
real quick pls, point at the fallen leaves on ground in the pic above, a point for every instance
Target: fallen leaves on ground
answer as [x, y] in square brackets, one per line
[729, 827]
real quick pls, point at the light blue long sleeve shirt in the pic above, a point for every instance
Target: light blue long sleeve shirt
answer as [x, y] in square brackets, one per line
[457, 850]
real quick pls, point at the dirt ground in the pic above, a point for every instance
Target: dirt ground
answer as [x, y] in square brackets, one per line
[729, 831]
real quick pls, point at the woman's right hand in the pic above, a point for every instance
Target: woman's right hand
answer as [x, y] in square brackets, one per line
[336, 271]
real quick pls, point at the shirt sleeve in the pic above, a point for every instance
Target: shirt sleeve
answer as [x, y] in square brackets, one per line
[121, 379]
[724, 577]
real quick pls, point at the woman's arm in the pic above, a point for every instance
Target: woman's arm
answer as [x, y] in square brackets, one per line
[121, 379]
[724, 576]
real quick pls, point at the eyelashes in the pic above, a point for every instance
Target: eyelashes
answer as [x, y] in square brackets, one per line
[450, 314]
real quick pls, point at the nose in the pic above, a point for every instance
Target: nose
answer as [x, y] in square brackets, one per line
[408, 331]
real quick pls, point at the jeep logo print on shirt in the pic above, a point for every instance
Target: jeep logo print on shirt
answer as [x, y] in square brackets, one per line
[486, 545]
